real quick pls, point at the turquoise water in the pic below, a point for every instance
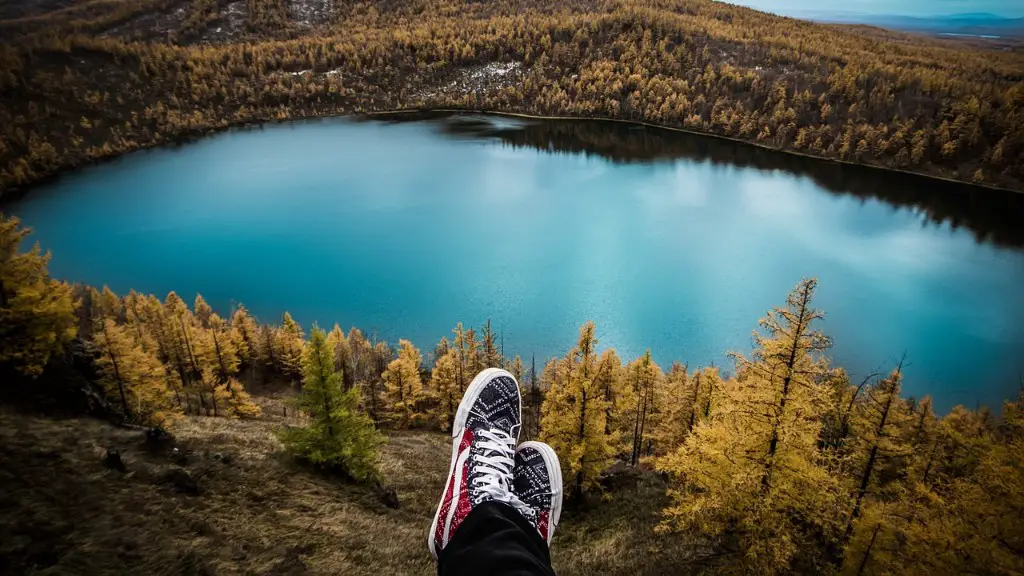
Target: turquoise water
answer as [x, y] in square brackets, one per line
[406, 228]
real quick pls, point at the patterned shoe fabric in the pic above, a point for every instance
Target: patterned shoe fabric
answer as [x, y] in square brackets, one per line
[484, 437]
[538, 483]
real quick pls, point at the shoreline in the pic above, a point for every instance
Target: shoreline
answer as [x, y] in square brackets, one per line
[17, 193]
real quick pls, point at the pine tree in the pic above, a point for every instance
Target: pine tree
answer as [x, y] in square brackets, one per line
[403, 389]
[573, 416]
[338, 436]
[36, 313]
[751, 470]
[132, 377]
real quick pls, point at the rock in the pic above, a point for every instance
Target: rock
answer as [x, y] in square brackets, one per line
[182, 481]
[113, 460]
[387, 496]
[179, 457]
[158, 439]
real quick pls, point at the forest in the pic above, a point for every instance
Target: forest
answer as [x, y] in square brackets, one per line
[86, 80]
[781, 463]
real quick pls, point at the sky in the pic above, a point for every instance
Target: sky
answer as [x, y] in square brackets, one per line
[1006, 8]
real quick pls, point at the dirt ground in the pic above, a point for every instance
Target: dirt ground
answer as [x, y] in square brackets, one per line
[229, 501]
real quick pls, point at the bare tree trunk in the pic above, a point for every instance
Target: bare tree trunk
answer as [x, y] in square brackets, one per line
[693, 405]
[867, 553]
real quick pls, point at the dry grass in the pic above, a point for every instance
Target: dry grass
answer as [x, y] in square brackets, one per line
[63, 512]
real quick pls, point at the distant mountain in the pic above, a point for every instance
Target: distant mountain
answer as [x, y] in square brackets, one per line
[975, 24]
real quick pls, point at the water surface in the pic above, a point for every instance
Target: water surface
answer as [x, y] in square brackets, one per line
[673, 242]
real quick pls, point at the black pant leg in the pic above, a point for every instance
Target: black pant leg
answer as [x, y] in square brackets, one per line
[495, 539]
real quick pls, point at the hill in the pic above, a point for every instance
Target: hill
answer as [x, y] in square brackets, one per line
[252, 510]
[93, 79]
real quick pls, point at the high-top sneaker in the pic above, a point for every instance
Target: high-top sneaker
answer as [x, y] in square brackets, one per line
[537, 483]
[484, 437]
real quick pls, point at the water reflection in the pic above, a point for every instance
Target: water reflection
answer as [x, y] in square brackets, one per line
[990, 215]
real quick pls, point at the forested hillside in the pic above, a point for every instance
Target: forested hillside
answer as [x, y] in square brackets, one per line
[81, 80]
[778, 463]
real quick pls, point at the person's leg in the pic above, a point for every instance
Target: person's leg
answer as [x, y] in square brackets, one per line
[495, 539]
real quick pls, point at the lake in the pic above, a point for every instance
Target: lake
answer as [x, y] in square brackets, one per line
[668, 241]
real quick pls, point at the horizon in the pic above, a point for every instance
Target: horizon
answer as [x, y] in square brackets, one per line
[918, 8]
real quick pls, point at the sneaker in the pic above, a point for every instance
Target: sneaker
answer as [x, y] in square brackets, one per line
[484, 437]
[538, 484]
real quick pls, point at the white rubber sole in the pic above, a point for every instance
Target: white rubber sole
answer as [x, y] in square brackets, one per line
[555, 476]
[461, 415]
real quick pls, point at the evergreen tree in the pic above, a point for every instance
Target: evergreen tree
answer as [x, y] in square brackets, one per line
[573, 416]
[36, 313]
[338, 434]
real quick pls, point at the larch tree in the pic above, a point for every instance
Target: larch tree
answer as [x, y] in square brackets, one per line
[679, 405]
[403, 388]
[289, 344]
[339, 435]
[515, 367]
[338, 344]
[573, 416]
[181, 327]
[880, 437]
[490, 352]
[134, 378]
[444, 383]
[459, 344]
[360, 352]
[642, 378]
[750, 472]
[245, 334]
[36, 313]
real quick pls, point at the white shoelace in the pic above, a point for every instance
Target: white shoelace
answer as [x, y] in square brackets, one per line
[492, 470]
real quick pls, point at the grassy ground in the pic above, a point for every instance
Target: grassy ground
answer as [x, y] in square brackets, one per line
[62, 511]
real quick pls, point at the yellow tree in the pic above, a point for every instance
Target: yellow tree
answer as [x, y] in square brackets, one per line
[643, 378]
[403, 388]
[491, 355]
[288, 344]
[878, 431]
[751, 471]
[679, 405]
[36, 313]
[338, 345]
[573, 415]
[133, 376]
[444, 383]
[245, 335]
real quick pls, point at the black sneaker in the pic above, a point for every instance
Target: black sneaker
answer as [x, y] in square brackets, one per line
[484, 438]
[538, 484]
